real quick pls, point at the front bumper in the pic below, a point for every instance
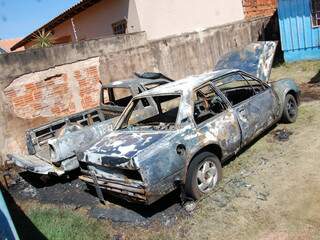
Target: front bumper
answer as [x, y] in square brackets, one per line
[35, 164]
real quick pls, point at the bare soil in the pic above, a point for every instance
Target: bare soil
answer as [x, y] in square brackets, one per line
[271, 191]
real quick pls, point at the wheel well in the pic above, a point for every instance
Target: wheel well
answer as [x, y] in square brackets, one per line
[212, 148]
[295, 95]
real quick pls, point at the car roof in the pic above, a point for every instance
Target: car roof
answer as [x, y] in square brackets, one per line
[134, 82]
[187, 84]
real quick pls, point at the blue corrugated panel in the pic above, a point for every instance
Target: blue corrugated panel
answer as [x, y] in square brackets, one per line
[298, 36]
[7, 229]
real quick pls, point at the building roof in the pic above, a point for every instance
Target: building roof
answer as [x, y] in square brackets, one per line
[2, 51]
[66, 15]
[7, 44]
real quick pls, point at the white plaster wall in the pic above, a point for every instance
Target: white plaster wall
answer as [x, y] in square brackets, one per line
[160, 18]
[96, 21]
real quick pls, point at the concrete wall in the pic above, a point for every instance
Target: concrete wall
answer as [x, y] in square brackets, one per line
[183, 55]
[16, 64]
[168, 17]
[41, 84]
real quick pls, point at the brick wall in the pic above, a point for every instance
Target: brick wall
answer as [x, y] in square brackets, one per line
[56, 92]
[259, 8]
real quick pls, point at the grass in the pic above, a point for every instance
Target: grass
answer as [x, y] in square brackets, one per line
[302, 72]
[65, 224]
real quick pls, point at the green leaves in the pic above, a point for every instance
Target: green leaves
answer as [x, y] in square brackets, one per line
[43, 39]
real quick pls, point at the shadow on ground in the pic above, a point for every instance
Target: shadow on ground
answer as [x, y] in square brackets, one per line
[73, 193]
[315, 79]
[311, 90]
[25, 228]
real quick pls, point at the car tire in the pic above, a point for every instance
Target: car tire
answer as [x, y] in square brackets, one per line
[203, 175]
[290, 109]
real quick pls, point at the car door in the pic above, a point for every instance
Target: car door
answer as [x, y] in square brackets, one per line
[215, 121]
[265, 100]
[252, 102]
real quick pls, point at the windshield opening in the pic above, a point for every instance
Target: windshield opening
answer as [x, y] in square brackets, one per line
[117, 96]
[161, 115]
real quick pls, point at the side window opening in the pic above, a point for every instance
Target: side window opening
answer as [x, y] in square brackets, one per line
[207, 104]
[256, 85]
[117, 96]
[238, 88]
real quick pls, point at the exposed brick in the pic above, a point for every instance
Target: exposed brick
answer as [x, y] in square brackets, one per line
[259, 8]
[10, 93]
[54, 95]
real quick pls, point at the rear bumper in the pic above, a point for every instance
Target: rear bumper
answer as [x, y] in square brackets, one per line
[133, 191]
[34, 164]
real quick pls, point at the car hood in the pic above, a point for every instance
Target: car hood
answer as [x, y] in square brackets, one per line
[121, 146]
[255, 59]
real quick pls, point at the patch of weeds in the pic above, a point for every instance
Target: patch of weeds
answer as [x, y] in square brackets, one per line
[306, 114]
[65, 224]
[161, 236]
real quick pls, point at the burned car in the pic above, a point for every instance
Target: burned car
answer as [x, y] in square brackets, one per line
[52, 147]
[188, 128]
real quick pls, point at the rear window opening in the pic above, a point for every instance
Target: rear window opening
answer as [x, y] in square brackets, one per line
[161, 115]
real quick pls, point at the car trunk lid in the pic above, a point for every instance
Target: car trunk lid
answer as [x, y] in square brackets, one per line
[255, 59]
[119, 147]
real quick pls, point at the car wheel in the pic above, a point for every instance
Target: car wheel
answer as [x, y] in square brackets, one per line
[204, 173]
[290, 109]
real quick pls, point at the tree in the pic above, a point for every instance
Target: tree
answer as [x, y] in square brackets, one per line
[43, 39]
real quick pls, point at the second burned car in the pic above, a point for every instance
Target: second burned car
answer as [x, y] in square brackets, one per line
[52, 147]
[188, 128]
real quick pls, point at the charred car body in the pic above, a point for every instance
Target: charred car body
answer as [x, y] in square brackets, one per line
[52, 147]
[188, 128]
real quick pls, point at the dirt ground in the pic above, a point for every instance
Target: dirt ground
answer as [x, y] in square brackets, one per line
[271, 191]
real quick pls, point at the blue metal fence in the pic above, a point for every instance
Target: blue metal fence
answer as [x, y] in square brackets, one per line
[299, 39]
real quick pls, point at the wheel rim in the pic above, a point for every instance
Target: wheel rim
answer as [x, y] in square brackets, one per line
[292, 108]
[207, 176]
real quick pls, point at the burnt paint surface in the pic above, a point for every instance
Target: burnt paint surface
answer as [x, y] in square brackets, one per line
[255, 58]
[159, 162]
[257, 114]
